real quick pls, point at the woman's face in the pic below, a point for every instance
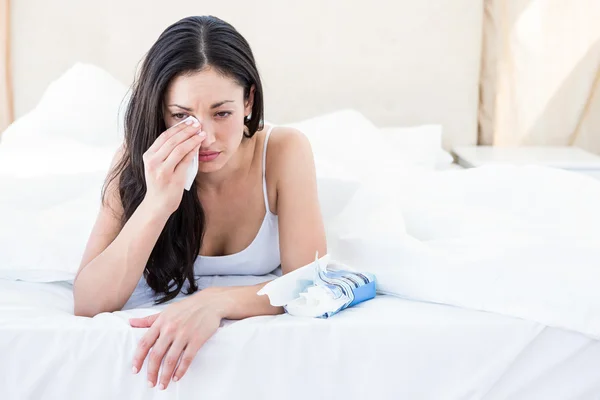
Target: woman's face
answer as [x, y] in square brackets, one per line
[218, 103]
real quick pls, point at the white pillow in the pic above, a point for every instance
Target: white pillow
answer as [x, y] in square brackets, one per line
[338, 140]
[34, 193]
[53, 156]
[85, 104]
[46, 222]
[53, 162]
[350, 155]
[335, 190]
[347, 139]
[418, 145]
[74, 128]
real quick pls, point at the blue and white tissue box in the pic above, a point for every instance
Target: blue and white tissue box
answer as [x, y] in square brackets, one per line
[320, 289]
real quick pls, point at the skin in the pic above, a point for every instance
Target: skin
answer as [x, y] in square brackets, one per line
[230, 189]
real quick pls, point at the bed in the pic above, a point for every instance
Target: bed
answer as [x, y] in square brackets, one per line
[486, 277]
[387, 348]
[435, 330]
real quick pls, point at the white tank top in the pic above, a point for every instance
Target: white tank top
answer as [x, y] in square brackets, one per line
[261, 256]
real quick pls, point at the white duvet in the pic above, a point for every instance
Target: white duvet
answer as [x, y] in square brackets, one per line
[518, 241]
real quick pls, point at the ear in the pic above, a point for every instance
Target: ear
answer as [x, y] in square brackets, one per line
[249, 101]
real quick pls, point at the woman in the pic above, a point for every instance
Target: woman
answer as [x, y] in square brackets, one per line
[252, 208]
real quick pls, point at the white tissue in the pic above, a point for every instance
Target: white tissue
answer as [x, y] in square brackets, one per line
[314, 302]
[288, 287]
[192, 170]
[191, 173]
[299, 294]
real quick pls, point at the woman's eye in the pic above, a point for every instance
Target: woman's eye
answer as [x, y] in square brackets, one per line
[179, 116]
[223, 114]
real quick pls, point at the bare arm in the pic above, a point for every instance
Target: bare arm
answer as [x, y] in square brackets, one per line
[105, 283]
[114, 259]
[301, 229]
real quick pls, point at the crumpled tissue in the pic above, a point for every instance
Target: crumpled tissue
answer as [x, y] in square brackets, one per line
[192, 170]
[320, 289]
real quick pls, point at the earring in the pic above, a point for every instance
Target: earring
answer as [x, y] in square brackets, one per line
[248, 117]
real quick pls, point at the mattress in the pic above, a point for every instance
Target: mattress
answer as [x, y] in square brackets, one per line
[386, 348]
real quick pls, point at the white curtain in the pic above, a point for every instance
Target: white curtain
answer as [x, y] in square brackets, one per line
[540, 73]
[6, 101]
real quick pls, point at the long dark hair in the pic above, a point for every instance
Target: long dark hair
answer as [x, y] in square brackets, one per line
[187, 46]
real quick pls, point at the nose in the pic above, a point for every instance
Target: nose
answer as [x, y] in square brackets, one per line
[210, 135]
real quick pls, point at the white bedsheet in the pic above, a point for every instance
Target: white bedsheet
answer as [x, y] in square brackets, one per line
[387, 348]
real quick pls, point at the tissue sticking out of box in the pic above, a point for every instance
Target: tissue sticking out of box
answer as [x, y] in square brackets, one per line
[320, 289]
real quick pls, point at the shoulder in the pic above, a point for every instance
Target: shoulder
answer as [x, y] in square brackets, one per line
[290, 163]
[288, 148]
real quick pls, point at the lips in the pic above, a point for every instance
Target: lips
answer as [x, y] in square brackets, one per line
[206, 156]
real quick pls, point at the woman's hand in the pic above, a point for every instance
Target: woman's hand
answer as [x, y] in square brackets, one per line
[176, 335]
[166, 163]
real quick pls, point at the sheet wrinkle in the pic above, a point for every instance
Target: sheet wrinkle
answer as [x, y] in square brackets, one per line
[558, 364]
[517, 358]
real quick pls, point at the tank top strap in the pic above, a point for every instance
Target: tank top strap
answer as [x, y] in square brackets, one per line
[264, 169]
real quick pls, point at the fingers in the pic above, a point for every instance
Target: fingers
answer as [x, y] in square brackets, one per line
[170, 362]
[176, 140]
[145, 322]
[156, 356]
[144, 345]
[183, 154]
[186, 124]
[186, 359]
[189, 353]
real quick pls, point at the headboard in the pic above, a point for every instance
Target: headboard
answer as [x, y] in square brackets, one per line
[400, 63]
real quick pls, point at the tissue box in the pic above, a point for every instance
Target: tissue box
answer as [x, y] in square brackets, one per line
[320, 289]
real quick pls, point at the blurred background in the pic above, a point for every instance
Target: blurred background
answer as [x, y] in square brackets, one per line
[492, 72]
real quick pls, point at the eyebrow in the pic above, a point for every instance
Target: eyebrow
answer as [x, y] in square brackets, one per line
[216, 105]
